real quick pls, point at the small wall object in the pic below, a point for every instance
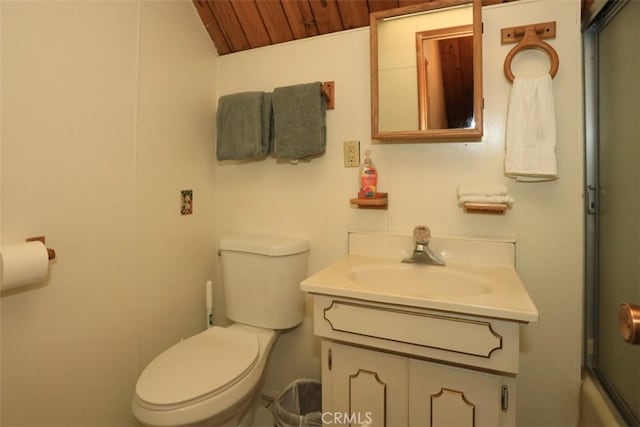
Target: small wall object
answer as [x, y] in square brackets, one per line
[328, 91]
[186, 202]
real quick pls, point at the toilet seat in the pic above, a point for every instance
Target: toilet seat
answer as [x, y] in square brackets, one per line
[187, 373]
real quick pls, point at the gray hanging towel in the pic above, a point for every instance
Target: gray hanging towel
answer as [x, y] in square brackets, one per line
[299, 113]
[244, 126]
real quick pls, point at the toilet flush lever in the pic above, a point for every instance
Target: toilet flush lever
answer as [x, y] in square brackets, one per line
[208, 294]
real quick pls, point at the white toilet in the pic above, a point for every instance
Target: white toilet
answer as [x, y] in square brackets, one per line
[213, 378]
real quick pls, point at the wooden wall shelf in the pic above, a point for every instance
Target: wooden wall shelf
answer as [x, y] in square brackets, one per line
[381, 201]
[492, 208]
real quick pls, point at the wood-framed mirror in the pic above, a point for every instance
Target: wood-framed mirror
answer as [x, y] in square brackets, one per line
[426, 72]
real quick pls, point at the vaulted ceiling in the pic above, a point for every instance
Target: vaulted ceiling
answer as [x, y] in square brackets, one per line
[237, 25]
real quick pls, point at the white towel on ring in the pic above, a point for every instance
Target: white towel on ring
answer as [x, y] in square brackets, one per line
[530, 140]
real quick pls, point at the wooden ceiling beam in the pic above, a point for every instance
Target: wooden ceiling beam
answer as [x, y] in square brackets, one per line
[212, 27]
[300, 18]
[353, 13]
[236, 25]
[251, 22]
[402, 3]
[229, 24]
[378, 5]
[326, 15]
[275, 20]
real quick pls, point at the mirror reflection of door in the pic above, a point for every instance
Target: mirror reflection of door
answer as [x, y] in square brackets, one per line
[445, 77]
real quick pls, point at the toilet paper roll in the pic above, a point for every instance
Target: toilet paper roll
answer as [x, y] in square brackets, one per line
[23, 264]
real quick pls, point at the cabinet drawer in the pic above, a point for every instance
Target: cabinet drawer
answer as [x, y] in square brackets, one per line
[470, 340]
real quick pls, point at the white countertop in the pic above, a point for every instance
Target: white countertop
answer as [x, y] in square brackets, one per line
[501, 293]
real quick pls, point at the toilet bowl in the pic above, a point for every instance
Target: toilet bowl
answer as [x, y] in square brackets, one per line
[217, 371]
[213, 378]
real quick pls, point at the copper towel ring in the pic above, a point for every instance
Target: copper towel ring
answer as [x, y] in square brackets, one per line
[531, 41]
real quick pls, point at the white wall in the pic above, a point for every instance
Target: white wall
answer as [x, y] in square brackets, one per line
[311, 199]
[107, 111]
[549, 224]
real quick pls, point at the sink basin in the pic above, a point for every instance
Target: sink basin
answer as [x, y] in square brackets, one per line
[422, 281]
[490, 290]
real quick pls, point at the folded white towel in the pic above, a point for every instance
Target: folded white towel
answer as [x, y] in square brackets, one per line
[482, 190]
[508, 200]
[531, 130]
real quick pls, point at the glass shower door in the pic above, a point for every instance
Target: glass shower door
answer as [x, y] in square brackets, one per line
[618, 215]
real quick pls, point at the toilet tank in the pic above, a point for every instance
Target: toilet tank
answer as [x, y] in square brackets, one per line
[261, 279]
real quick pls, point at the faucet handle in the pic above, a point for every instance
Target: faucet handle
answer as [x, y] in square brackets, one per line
[422, 234]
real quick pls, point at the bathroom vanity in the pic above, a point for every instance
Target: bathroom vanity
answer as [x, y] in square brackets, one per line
[420, 345]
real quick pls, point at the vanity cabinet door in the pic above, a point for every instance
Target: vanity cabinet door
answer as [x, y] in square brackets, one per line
[445, 396]
[363, 387]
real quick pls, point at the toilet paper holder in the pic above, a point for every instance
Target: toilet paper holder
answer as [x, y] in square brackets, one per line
[51, 253]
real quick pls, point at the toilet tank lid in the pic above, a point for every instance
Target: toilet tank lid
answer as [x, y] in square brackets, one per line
[264, 244]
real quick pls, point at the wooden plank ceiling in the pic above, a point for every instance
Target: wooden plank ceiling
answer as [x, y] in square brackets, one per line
[237, 25]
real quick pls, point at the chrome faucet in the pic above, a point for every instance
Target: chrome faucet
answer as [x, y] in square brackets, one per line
[422, 254]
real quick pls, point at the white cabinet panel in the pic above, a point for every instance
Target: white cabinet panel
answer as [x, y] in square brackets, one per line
[373, 388]
[444, 396]
[364, 387]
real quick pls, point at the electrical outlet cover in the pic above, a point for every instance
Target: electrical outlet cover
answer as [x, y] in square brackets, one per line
[351, 154]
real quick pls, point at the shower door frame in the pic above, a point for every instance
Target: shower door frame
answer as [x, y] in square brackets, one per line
[591, 306]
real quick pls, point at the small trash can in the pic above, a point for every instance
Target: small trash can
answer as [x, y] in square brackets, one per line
[299, 405]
